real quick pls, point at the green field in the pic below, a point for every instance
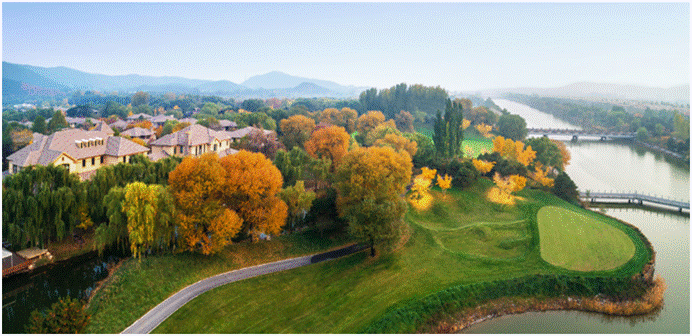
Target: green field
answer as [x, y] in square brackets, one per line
[595, 245]
[472, 139]
[463, 241]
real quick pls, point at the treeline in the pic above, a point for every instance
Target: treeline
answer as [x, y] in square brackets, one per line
[422, 101]
[666, 128]
[47, 203]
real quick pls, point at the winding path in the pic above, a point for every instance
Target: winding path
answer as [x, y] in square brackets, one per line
[163, 310]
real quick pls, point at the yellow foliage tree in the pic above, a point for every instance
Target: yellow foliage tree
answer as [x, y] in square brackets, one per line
[329, 142]
[428, 173]
[367, 122]
[346, 118]
[251, 185]
[465, 123]
[177, 127]
[399, 143]
[296, 130]
[540, 175]
[502, 192]
[370, 182]
[518, 182]
[513, 150]
[484, 129]
[483, 166]
[444, 182]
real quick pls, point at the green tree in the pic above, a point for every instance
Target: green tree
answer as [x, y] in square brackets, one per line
[140, 98]
[114, 108]
[659, 130]
[252, 105]
[642, 134]
[547, 152]
[565, 188]
[39, 125]
[67, 316]
[298, 201]
[210, 122]
[681, 126]
[426, 149]
[57, 122]
[370, 185]
[114, 230]
[140, 207]
[512, 126]
[210, 108]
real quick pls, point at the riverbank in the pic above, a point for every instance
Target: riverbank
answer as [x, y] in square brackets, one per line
[650, 302]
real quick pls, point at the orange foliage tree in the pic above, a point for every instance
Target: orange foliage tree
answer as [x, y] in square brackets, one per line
[250, 189]
[514, 150]
[483, 166]
[141, 124]
[179, 126]
[346, 118]
[296, 130]
[329, 142]
[204, 222]
[566, 157]
[370, 185]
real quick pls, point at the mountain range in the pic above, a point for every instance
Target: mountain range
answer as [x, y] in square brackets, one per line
[22, 81]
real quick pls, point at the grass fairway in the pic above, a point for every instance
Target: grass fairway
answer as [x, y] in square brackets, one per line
[346, 295]
[579, 242]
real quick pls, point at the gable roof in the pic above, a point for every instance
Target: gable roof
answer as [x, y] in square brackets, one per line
[103, 127]
[161, 118]
[45, 150]
[138, 115]
[192, 135]
[137, 132]
[237, 134]
[121, 124]
[227, 123]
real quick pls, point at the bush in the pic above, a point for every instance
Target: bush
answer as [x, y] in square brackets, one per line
[65, 316]
[565, 188]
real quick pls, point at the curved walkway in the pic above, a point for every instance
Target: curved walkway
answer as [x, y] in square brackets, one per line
[163, 310]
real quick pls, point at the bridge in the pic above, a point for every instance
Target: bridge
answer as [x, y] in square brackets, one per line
[575, 133]
[635, 198]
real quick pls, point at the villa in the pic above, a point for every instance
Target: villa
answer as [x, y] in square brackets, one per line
[194, 141]
[81, 152]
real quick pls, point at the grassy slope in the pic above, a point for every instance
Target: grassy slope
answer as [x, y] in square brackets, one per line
[139, 286]
[597, 246]
[345, 295]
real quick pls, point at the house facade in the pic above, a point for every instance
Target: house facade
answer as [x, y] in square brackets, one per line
[81, 152]
[194, 141]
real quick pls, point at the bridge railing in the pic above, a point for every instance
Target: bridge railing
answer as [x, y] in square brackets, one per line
[633, 196]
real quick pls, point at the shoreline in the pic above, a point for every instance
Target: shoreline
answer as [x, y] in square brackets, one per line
[457, 322]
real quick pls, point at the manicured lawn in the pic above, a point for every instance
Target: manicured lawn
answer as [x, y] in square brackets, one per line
[345, 295]
[580, 242]
[139, 286]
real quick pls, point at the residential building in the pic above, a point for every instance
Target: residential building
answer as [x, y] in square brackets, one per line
[103, 127]
[137, 116]
[119, 125]
[193, 140]
[138, 132]
[160, 120]
[241, 133]
[227, 125]
[81, 152]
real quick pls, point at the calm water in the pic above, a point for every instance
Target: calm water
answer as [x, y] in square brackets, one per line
[23, 293]
[609, 166]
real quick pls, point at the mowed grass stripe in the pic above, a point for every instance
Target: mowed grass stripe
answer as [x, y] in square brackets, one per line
[581, 243]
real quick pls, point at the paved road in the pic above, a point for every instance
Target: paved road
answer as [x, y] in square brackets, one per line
[158, 314]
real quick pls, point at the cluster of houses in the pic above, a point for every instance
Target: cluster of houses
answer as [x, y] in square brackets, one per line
[83, 152]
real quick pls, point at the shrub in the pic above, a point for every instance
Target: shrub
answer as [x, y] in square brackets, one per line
[65, 316]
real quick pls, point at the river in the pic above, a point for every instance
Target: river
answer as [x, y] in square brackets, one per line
[606, 166]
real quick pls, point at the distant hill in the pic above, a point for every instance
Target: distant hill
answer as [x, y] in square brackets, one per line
[63, 79]
[279, 80]
[676, 94]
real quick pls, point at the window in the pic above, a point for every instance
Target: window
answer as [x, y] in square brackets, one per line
[124, 159]
[215, 147]
[93, 161]
[174, 150]
[101, 159]
[84, 163]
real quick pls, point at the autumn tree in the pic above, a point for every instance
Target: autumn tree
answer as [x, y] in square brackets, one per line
[296, 130]
[150, 215]
[404, 122]
[142, 123]
[370, 184]
[329, 142]
[483, 166]
[484, 129]
[204, 221]
[259, 142]
[250, 189]
[366, 123]
[444, 182]
[548, 152]
[399, 143]
[298, 201]
[425, 151]
[346, 118]
[513, 150]
[177, 127]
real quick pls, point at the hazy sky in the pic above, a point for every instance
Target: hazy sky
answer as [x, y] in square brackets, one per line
[459, 46]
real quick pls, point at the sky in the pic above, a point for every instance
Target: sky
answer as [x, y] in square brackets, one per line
[458, 46]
